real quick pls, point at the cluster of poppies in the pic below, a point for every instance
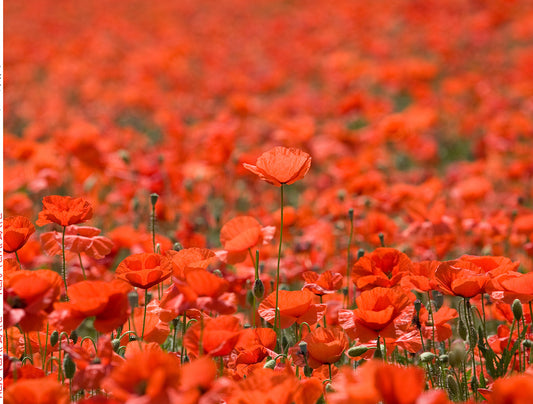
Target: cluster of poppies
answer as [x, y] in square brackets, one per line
[268, 201]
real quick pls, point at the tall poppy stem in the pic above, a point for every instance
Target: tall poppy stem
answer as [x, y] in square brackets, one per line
[276, 317]
[17, 257]
[144, 316]
[64, 262]
[82, 267]
[349, 260]
[183, 329]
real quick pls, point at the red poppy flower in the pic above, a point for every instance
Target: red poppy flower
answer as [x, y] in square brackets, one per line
[218, 336]
[64, 210]
[281, 165]
[78, 240]
[325, 283]
[460, 278]
[190, 258]
[155, 330]
[106, 301]
[254, 345]
[383, 267]
[29, 296]
[17, 231]
[144, 270]
[517, 389]
[377, 309]
[513, 285]
[294, 306]
[325, 345]
[149, 376]
[45, 390]
[421, 276]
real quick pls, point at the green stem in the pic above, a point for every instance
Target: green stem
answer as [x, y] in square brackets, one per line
[82, 267]
[349, 260]
[144, 316]
[276, 316]
[64, 262]
[17, 257]
[324, 318]
[183, 329]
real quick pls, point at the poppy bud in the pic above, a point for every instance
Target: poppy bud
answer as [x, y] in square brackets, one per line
[153, 199]
[116, 344]
[527, 343]
[132, 338]
[427, 357]
[341, 195]
[270, 364]
[418, 305]
[443, 358]
[218, 273]
[382, 239]
[472, 337]
[186, 359]
[133, 298]
[360, 253]
[329, 388]
[74, 336]
[461, 328]
[54, 338]
[453, 387]
[69, 366]
[517, 309]
[350, 214]
[177, 246]
[308, 371]
[124, 155]
[357, 351]
[438, 299]
[259, 289]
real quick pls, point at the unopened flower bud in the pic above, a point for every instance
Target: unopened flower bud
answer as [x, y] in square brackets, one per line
[116, 344]
[270, 364]
[443, 358]
[427, 357]
[74, 336]
[177, 246]
[69, 366]
[218, 273]
[329, 388]
[527, 343]
[54, 338]
[457, 355]
[350, 214]
[360, 253]
[357, 351]
[303, 347]
[382, 239]
[259, 289]
[453, 387]
[517, 309]
[133, 298]
[418, 305]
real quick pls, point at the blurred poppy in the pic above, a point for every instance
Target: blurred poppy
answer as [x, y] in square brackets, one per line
[516, 390]
[421, 276]
[17, 231]
[294, 306]
[281, 165]
[29, 296]
[512, 285]
[64, 210]
[45, 390]
[149, 376]
[241, 234]
[144, 270]
[325, 283]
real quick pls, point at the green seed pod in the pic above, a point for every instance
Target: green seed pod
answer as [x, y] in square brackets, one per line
[54, 338]
[461, 328]
[153, 198]
[356, 351]
[270, 364]
[426, 357]
[74, 336]
[116, 344]
[517, 309]
[259, 289]
[69, 366]
[453, 387]
[350, 213]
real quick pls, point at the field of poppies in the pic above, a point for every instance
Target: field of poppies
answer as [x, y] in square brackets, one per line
[268, 202]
